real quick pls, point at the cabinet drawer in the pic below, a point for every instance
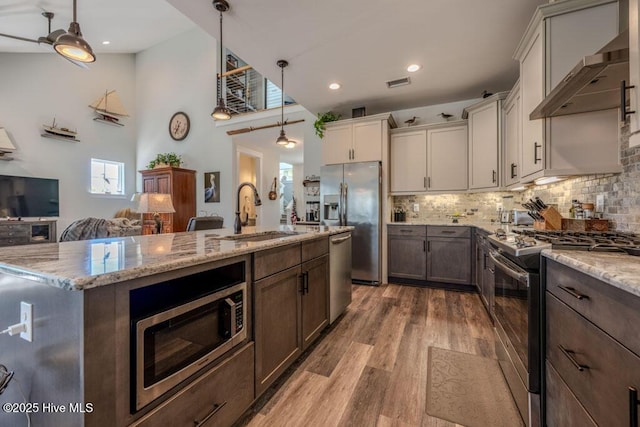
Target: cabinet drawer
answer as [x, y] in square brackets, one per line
[596, 368]
[13, 231]
[448, 231]
[615, 311]
[407, 230]
[315, 248]
[230, 385]
[563, 409]
[10, 241]
[274, 260]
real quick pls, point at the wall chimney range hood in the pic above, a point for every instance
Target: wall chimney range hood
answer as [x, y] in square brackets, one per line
[592, 85]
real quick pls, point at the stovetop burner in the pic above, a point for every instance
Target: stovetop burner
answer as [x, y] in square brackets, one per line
[586, 240]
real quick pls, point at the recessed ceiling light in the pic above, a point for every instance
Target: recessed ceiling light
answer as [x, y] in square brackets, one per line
[106, 42]
[334, 86]
[413, 68]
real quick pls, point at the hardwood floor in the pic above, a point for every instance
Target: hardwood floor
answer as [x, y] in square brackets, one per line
[370, 368]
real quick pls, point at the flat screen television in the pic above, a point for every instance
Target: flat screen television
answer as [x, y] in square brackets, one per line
[22, 196]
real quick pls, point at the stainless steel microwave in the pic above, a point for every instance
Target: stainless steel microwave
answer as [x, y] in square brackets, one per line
[171, 345]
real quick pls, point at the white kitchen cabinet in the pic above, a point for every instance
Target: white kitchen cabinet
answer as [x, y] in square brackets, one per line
[634, 71]
[447, 158]
[485, 120]
[408, 154]
[558, 36]
[356, 140]
[512, 137]
[429, 158]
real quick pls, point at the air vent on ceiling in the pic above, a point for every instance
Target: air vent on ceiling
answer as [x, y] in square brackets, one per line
[398, 82]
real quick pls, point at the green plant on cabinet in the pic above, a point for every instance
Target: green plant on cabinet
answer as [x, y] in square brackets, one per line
[170, 159]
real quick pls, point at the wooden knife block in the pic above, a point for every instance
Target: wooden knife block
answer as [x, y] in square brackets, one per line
[552, 220]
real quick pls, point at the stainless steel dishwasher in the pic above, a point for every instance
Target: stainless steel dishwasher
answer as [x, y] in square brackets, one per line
[340, 274]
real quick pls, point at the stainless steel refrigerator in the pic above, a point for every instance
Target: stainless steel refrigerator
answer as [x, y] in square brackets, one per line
[350, 194]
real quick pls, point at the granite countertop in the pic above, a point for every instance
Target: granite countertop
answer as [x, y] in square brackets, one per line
[484, 224]
[88, 264]
[615, 268]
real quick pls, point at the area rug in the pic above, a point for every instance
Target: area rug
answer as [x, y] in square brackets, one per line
[468, 390]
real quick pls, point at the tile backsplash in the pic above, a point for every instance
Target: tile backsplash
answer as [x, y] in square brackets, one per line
[621, 196]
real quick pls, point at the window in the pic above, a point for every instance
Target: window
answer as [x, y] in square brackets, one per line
[107, 177]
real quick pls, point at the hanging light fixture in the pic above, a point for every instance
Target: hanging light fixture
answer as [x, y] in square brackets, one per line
[221, 112]
[71, 45]
[282, 139]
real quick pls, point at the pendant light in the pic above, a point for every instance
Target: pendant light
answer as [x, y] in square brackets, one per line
[221, 112]
[282, 139]
[71, 45]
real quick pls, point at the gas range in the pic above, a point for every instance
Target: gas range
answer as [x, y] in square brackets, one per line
[523, 242]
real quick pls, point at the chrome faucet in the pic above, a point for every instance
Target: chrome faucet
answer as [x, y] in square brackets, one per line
[237, 225]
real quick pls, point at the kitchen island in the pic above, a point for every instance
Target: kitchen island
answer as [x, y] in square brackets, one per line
[78, 363]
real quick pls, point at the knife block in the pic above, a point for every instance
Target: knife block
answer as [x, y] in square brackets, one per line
[552, 220]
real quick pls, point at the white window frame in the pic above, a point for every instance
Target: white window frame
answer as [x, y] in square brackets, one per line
[116, 190]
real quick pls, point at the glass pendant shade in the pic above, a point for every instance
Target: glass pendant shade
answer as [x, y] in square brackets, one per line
[282, 139]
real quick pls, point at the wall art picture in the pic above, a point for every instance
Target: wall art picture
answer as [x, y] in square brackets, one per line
[212, 187]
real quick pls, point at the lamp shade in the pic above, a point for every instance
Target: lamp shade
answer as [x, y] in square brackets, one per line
[155, 203]
[5, 143]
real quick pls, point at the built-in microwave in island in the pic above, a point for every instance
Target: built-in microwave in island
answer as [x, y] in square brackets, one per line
[179, 326]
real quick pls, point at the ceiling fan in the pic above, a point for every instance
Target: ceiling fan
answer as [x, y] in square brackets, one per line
[49, 39]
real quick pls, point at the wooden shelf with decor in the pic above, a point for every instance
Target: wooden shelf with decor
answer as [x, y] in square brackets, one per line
[181, 184]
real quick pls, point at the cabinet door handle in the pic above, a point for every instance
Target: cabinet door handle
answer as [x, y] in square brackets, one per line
[301, 277]
[216, 408]
[493, 176]
[623, 100]
[424, 246]
[425, 182]
[535, 153]
[570, 355]
[571, 291]
[633, 407]
[306, 282]
[485, 261]
[513, 170]
[429, 182]
[428, 246]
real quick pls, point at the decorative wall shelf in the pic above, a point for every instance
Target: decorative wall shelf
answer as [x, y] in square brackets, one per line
[61, 138]
[109, 122]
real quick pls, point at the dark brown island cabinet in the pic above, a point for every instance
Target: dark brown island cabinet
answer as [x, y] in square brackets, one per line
[430, 255]
[291, 295]
[592, 350]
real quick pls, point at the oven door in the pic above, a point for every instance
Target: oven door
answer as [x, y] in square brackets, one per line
[173, 344]
[517, 311]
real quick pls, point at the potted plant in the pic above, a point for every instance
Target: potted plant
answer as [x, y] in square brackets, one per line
[165, 159]
[323, 118]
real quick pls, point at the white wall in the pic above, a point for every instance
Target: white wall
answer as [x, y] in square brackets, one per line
[34, 88]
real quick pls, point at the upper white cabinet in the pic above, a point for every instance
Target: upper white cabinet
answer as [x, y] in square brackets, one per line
[429, 158]
[558, 36]
[356, 140]
[634, 71]
[485, 121]
[511, 138]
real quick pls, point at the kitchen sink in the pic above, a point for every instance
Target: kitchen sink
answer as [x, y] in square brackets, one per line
[258, 237]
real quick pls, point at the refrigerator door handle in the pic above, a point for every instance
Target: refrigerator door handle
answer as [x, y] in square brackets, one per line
[341, 204]
[346, 204]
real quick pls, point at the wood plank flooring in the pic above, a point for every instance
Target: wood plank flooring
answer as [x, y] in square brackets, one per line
[370, 367]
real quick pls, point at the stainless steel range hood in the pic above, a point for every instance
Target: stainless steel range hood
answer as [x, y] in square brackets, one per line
[592, 85]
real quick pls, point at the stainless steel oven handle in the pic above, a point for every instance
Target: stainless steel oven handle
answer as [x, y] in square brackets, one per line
[510, 270]
[340, 239]
[216, 408]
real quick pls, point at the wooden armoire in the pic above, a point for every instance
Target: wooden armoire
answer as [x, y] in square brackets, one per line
[181, 184]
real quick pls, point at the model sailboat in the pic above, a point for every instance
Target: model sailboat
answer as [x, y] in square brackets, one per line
[109, 108]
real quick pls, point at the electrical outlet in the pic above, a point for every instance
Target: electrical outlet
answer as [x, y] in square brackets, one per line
[600, 203]
[498, 207]
[26, 317]
[416, 207]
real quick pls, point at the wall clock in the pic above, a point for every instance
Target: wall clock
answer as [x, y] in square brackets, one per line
[179, 126]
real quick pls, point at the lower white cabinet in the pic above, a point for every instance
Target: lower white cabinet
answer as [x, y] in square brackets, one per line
[429, 158]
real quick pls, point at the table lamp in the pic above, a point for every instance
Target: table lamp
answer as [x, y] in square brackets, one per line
[156, 203]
